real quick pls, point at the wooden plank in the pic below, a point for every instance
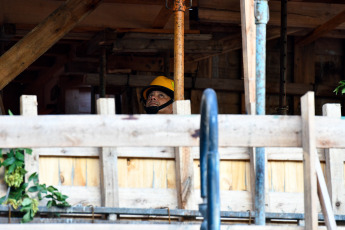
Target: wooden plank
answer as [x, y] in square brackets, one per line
[309, 159]
[324, 197]
[40, 39]
[237, 85]
[248, 50]
[184, 164]
[143, 227]
[108, 162]
[322, 29]
[28, 107]
[133, 130]
[162, 18]
[335, 165]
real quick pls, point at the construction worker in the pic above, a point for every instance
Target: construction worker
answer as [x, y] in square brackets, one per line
[158, 96]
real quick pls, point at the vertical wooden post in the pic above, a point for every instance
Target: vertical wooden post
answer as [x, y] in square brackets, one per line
[28, 107]
[248, 53]
[108, 163]
[184, 165]
[335, 165]
[248, 44]
[309, 151]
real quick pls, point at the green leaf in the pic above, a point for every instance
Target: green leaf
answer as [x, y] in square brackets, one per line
[49, 196]
[9, 161]
[26, 202]
[49, 204]
[28, 151]
[51, 189]
[27, 218]
[33, 177]
[19, 156]
[1, 153]
[11, 168]
[33, 189]
[2, 199]
[10, 113]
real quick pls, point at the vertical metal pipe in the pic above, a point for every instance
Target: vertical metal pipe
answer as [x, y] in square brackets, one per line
[209, 153]
[283, 58]
[179, 9]
[261, 19]
[102, 73]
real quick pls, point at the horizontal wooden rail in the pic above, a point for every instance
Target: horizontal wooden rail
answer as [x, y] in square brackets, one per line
[163, 130]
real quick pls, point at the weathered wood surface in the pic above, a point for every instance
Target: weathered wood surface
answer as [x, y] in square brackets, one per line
[108, 161]
[40, 39]
[144, 227]
[28, 107]
[335, 165]
[184, 164]
[178, 130]
[249, 51]
[309, 160]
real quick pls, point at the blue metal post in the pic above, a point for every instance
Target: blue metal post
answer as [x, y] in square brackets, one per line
[209, 161]
[261, 19]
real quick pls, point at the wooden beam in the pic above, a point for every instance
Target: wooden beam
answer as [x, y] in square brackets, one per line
[108, 163]
[236, 85]
[323, 194]
[184, 165]
[309, 160]
[162, 18]
[248, 50]
[28, 107]
[323, 29]
[132, 130]
[334, 165]
[40, 39]
[300, 14]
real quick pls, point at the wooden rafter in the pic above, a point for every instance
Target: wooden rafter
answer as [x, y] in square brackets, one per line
[42, 37]
[323, 29]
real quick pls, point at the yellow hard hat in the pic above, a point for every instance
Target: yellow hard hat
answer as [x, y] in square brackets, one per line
[160, 83]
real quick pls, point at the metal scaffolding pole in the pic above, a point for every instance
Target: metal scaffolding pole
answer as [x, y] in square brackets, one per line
[261, 19]
[179, 9]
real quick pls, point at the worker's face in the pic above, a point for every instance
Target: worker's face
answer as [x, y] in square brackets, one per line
[158, 98]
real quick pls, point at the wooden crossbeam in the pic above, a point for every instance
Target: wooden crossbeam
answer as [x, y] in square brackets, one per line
[132, 130]
[162, 18]
[323, 29]
[42, 37]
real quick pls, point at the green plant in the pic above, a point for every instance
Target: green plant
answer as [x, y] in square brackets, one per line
[340, 87]
[19, 194]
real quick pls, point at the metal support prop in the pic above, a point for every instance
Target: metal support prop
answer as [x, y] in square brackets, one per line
[179, 9]
[282, 110]
[209, 161]
[261, 19]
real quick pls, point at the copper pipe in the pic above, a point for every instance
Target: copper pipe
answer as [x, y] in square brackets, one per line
[179, 9]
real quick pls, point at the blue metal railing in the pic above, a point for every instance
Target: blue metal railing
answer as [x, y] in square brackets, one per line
[209, 161]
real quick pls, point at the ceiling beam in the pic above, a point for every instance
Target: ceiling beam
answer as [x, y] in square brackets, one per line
[323, 29]
[162, 18]
[42, 37]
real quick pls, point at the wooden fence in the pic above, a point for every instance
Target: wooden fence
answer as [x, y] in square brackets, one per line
[90, 157]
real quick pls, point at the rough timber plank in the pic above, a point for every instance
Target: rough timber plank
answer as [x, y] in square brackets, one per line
[184, 164]
[324, 197]
[108, 161]
[179, 130]
[309, 159]
[142, 227]
[248, 43]
[335, 165]
[42, 37]
[28, 107]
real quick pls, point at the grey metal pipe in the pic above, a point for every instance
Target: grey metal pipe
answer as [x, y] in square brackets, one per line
[261, 19]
